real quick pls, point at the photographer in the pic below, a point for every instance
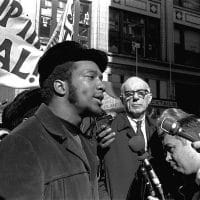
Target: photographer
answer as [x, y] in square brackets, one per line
[180, 154]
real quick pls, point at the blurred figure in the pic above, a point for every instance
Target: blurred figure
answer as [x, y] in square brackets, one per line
[180, 154]
[21, 108]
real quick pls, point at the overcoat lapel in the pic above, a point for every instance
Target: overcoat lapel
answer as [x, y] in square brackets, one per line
[150, 127]
[125, 125]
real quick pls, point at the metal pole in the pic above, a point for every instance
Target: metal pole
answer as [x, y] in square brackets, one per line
[136, 61]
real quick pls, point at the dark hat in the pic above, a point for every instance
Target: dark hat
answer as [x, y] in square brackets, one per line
[68, 51]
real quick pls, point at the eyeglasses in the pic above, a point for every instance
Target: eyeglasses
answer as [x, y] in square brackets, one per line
[140, 93]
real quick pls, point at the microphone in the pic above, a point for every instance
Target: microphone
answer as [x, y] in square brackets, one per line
[148, 181]
[105, 119]
[136, 144]
[172, 127]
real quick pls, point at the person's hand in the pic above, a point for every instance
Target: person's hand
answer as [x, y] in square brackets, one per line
[152, 198]
[105, 136]
[196, 145]
[3, 133]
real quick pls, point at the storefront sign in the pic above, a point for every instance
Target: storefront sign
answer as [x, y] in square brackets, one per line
[163, 103]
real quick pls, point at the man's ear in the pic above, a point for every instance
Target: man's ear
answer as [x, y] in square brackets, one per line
[60, 87]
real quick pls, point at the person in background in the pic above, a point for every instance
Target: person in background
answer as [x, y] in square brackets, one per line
[180, 154]
[120, 162]
[46, 156]
[21, 108]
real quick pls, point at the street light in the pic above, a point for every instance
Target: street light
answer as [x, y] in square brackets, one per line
[136, 46]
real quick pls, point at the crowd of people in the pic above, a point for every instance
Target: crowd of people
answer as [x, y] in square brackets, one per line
[61, 145]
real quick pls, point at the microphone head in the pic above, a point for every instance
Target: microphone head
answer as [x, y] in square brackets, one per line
[137, 144]
[170, 126]
[143, 156]
[105, 119]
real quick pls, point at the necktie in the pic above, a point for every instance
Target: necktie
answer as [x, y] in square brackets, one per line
[139, 130]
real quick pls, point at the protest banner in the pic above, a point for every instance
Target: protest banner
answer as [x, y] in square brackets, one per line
[19, 44]
[64, 29]
[19, 47]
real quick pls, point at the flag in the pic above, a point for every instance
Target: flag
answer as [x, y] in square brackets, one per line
[64, 29]
[19, 47]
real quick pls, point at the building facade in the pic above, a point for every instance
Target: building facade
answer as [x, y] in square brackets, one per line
[158, 40]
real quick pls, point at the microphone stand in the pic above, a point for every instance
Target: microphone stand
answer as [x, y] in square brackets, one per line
[148, 184]
[152, 177]
[137, 144]
[152, 181]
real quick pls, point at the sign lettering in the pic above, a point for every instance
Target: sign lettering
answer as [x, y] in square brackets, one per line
[14, 11]
[19, 47]
[5, 46]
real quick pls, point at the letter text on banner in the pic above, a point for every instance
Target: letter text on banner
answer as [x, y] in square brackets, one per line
[19, 47]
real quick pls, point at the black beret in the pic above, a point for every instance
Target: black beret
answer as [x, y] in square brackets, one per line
[68, 51]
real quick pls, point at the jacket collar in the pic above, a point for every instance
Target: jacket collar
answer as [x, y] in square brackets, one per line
[124, 122]
[124, 125]
[150, 126]
[50, 121]
[58, 131]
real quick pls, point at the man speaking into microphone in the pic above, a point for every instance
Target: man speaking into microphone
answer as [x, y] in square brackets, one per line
[180, 153]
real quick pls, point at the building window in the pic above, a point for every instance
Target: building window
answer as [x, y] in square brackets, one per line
[133, 34]
[114, 36]
[153, 86]
[84, 24]
[45, 18]
[152, 37]
[48, 21]
[186, 46]
[163, 90]
[130, 32]
[191, 4]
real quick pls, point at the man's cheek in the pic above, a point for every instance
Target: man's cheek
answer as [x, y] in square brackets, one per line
[128, 105]
[86, 94]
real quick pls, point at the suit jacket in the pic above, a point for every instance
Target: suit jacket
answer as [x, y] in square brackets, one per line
[120, 162]
[39, 160]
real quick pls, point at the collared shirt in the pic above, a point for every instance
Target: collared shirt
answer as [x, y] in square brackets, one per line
[73, 131]
[133, 123]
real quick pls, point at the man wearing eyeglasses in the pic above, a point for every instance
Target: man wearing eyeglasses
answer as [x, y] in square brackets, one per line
[120, 162]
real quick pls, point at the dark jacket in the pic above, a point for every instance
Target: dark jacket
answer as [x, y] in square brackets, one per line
[189, 190]
[39, 160]
[121, 164]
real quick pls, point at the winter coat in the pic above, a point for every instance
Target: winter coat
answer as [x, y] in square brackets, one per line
[40, 160]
